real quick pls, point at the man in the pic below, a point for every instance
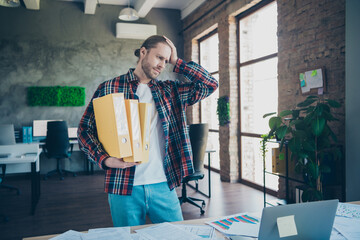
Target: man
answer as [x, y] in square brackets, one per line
[136, 190]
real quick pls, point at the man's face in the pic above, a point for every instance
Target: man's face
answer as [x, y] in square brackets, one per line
[155, 60]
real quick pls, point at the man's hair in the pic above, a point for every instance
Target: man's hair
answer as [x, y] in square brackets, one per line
[150, 42]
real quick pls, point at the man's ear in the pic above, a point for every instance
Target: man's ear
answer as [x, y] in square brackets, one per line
[143, 51]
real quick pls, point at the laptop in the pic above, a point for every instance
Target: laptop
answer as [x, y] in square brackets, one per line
[313, 220]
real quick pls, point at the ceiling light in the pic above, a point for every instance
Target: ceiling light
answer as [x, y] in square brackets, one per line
[128, 14]
[10, 3]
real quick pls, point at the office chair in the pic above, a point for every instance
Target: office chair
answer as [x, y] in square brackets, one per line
[198, 138]
[57, 146]
[7, 137]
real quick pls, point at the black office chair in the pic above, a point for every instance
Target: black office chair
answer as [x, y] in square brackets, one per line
[57, 146]
[198, 138]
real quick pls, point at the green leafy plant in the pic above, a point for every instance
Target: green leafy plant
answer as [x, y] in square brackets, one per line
[56, 96]
[223, 110]
[310, 139]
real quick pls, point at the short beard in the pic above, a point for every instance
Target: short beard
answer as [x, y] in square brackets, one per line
[147, 69]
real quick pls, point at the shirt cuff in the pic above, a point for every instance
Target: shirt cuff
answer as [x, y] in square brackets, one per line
[179, 66]
[102, 157]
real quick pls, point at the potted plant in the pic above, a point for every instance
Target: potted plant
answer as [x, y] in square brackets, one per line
[310, 140]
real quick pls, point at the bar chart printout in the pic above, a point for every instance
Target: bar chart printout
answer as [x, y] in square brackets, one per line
[240, 224]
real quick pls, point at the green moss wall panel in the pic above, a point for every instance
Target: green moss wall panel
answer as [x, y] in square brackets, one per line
[56, 96]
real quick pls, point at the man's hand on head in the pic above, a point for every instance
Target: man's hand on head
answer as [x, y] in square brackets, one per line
[113, 162]
[173, 57]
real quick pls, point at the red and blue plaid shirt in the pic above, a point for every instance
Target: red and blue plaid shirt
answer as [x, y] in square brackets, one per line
[171, 99]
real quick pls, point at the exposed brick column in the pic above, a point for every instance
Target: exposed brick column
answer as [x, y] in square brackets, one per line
[229, 157]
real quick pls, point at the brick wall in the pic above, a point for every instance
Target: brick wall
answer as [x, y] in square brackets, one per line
[311, 34]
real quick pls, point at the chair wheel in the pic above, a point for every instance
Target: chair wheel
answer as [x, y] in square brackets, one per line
[203, 205]
[202, 212]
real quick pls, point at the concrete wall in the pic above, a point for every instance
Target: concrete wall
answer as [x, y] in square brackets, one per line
[352, 121]
[60, 45]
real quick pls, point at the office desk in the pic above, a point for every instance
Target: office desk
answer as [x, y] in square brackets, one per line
[193, 222]
[20, 154]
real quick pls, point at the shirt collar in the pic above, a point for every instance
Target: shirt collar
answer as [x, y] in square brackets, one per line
[131, 78]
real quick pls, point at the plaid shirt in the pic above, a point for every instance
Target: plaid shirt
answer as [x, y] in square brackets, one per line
[171, 99]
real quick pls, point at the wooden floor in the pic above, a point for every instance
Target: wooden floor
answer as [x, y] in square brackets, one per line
[79, 203]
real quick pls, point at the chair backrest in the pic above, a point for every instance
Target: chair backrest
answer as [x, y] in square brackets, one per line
[57, 139]
[198, 137]
[7, 134]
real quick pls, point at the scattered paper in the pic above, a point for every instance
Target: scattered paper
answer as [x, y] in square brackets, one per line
[286, 226]
[244, 224]
[348, 210]
[203, 231]
[166, 231]
[348, 227]
[336, 235]
[69, 235]
[106, 234]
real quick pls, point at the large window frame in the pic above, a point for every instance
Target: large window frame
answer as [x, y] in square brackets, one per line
[239, 66]
[216, 72]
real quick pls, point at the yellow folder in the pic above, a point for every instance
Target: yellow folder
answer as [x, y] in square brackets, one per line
[145, 123]
[112, 124]
[132, 112]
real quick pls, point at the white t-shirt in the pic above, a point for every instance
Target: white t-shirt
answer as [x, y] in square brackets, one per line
[152, 171]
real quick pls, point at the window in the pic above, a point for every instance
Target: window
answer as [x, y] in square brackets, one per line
[209, 59]
[258, 88]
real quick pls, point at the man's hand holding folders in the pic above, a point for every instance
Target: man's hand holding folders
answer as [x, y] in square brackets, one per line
[123, 127]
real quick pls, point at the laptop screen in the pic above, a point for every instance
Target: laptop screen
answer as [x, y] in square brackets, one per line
[312, 220]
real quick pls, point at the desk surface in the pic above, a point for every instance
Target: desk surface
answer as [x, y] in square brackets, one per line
[193, 222]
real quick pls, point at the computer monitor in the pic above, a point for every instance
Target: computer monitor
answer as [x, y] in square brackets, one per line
[7, 136]
[40, 129]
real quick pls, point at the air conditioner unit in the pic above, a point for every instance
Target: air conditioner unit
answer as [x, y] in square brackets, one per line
[134, 30]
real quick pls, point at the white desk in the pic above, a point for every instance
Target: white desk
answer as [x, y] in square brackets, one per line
[20, 154]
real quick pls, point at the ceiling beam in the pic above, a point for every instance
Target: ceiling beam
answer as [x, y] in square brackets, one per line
[143, 7]
[90, 6]
[191, 7]
[32, 4]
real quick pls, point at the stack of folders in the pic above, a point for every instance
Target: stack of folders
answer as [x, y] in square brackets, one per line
[123, 127]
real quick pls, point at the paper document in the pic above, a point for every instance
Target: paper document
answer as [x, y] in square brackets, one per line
[348, 227]
[166, 231]
[106, 234]
[336, 235]
[69, 235]
[203, 231]
[244, 224]
[348, 210]
[110, 229]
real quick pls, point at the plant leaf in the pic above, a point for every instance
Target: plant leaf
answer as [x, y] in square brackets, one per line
[281, 132]
[269, 114]
[333, 103]
[285, 113]
[275, 122]
[318, 126]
